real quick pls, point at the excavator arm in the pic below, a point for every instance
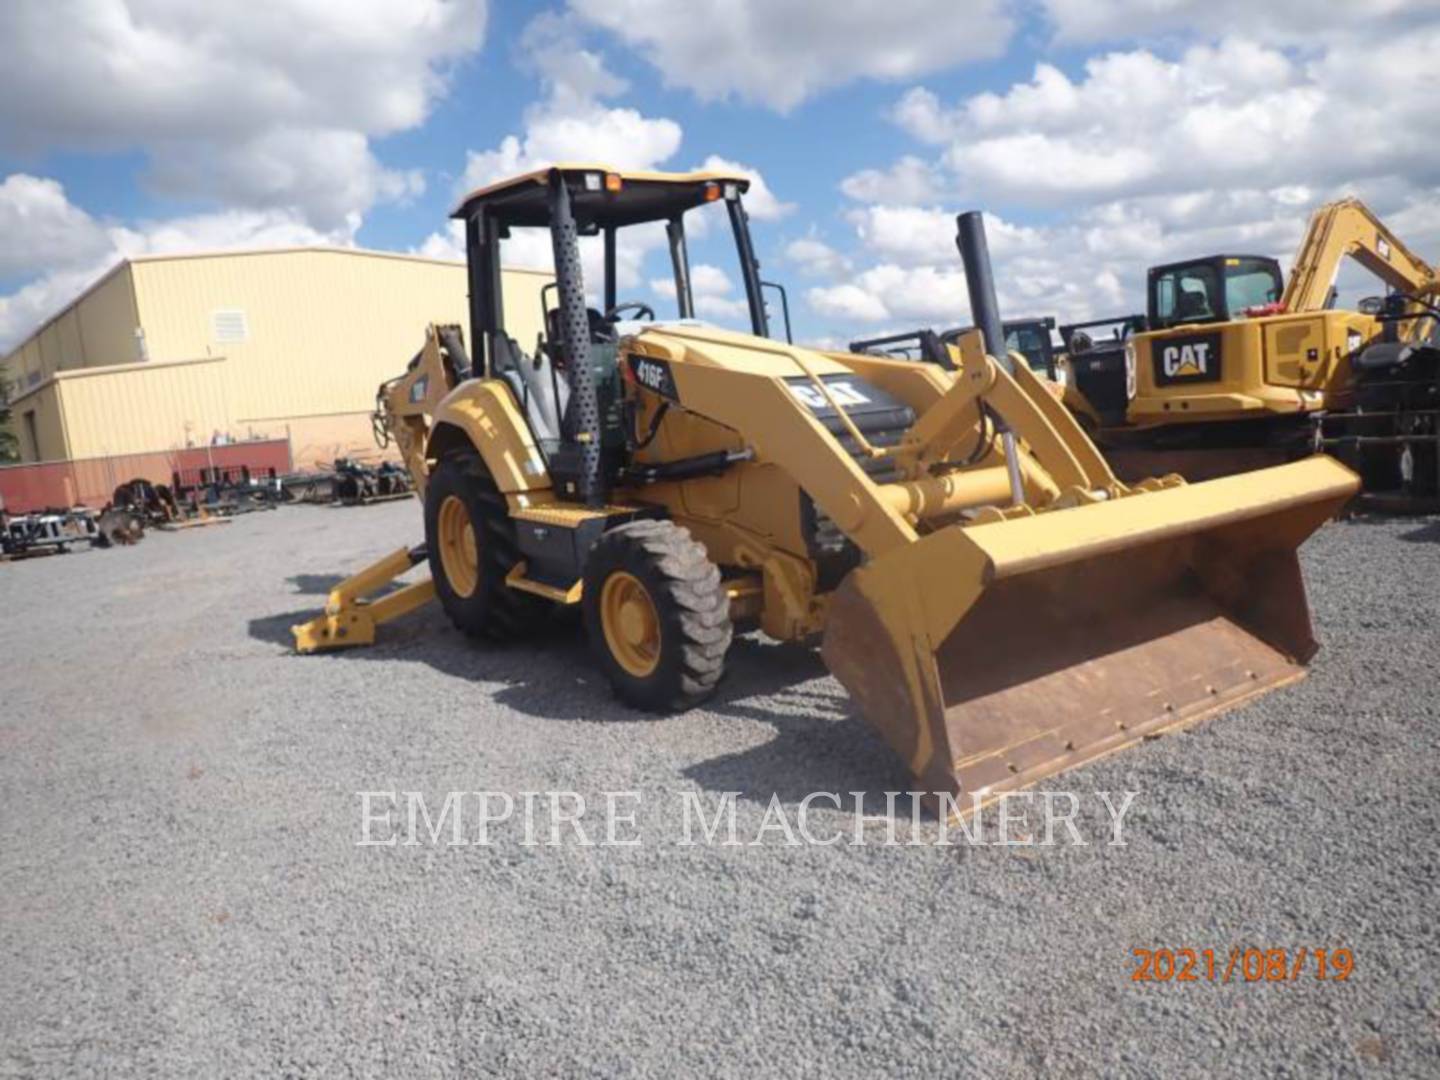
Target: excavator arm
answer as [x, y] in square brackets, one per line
[1347, 227]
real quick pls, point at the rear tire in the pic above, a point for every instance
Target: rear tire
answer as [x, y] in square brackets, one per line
[470, 543]
[657, 615]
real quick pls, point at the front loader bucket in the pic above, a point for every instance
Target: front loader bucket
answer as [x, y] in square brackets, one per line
[993, 656]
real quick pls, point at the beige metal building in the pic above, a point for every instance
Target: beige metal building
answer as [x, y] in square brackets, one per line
[171, 351]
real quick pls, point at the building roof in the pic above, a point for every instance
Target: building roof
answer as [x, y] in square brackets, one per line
[227, 253]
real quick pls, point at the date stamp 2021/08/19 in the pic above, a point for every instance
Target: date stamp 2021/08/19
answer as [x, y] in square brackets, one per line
[1241, 964]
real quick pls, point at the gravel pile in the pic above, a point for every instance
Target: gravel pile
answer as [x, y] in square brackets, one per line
[183, 892]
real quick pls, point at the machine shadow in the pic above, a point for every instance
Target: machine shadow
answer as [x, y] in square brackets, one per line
[819, 743]
[1425, 534]
[314, 584]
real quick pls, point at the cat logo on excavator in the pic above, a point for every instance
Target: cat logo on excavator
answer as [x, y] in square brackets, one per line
[1188, 358]
[1185, 359]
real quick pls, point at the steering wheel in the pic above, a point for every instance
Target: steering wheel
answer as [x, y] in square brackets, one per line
[641, 309]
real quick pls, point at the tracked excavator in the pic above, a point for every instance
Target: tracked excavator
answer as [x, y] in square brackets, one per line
[1233, 368]
[998, 605]
[1236, 365]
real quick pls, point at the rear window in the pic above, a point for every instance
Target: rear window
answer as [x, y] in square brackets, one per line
[1187, 294]
[1029, 342]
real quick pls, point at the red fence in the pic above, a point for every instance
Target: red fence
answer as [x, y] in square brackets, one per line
[91, 481]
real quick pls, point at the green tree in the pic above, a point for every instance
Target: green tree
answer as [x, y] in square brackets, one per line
[9, 444]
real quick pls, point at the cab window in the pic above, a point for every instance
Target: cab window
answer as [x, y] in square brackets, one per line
[1187, 294]
[1250, 283]
[1027, 341]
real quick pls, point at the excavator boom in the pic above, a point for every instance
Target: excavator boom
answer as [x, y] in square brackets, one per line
[1343, 228]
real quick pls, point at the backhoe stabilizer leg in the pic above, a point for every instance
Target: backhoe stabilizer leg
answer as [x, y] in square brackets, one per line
[351, 617]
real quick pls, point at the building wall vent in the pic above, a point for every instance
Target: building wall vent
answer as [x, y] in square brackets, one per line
[229, 327]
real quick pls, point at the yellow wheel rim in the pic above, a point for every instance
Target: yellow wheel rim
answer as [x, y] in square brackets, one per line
[459, 554]
[631, 624]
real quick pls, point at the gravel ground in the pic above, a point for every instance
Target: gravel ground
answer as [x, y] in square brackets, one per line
[183, 892]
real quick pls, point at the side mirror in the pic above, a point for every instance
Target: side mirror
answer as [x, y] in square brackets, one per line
[1371, 305]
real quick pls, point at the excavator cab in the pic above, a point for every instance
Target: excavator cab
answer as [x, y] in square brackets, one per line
[1217, 288]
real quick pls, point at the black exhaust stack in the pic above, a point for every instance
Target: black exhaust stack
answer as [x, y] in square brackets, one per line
[980, 283]
[985, 311]
[575, 335]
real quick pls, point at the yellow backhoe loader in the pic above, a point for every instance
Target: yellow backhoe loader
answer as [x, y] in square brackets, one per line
[997, 603]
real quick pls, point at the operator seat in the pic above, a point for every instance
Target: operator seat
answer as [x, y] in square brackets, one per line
[542, 396]
[541, 384]
[1193, 304]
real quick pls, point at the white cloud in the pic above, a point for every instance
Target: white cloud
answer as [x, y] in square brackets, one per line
[328, 177]
[1148, 154]
[815, 258]
[112, 74]
[43, 230]
[1286, 20]
[920, 113]
[575, 121]
[449, 244]
[910, 235]
[723, 309]
[713, 292]
[266, 105]
[916, 235]
[1092, 263]
[1237, 114]
[779, 53]
[705, 281]
[531, 249]
[909, 180]
[708, 280]
[847, 302]
[571, 122]
[923, 295]
[225, 229]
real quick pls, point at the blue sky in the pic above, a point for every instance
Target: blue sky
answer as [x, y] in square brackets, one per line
[1100, 135]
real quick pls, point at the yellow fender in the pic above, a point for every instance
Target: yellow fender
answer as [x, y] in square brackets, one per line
[483, 413]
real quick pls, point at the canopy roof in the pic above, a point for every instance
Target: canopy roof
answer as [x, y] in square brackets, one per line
[601, 196]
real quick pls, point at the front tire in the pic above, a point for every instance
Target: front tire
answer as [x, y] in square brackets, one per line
[657, 615]
[470, 543]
